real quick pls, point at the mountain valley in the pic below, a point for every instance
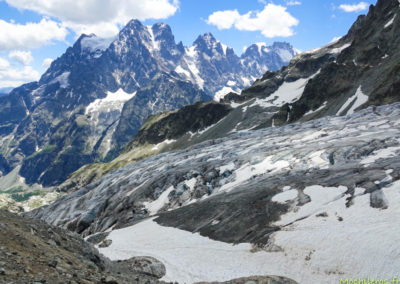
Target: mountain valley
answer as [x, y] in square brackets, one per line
[139, 160]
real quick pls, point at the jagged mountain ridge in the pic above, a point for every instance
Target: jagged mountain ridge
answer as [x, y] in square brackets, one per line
[71, 117]
[358, 70]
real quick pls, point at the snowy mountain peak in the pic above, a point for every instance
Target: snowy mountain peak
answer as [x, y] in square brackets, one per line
[256, 50]
[284, 49]
[281, 45]
[163, 32]
[206, 38]
[261, 46]
[132, 25]
[209, 45]
[162, 29]
[259, 55]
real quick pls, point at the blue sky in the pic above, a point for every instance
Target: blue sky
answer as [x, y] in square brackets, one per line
[34, 32]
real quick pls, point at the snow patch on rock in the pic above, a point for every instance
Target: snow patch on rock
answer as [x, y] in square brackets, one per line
[62, 79]
[358, 99]
[388, 24]
[113, 101]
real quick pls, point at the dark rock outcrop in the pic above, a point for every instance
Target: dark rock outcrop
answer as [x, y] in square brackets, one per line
[32, 251]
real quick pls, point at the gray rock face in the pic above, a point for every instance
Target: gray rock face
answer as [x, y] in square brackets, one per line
[93, 99]
[146, 265]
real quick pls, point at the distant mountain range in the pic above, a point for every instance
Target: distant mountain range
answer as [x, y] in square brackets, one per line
[93, 99]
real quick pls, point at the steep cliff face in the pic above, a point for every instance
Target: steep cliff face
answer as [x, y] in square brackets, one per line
[172, 125]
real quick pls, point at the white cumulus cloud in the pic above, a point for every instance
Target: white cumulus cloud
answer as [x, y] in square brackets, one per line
[99, 16]
[354, 7]
[31, 35]
[272, 21]
[46, 63]
[224, 19]
[11, 76]
[22, 57]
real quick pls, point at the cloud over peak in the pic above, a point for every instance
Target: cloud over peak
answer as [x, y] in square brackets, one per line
[22, 57]
[272, 21]
[11, 76]
[354, 7]
[31, 35]
[99, 16]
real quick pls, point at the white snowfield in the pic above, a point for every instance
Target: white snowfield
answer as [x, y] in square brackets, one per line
[62, 79]
[105, 112]
[338, 50]
[113, 101]
[310, 250]
[223, 92]
[288, 92]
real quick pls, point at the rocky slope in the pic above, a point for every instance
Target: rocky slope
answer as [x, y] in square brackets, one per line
[268, 191]
[93, 99]
[34, 252]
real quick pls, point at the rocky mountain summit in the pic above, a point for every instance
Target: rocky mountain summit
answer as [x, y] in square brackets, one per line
[92, 100]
